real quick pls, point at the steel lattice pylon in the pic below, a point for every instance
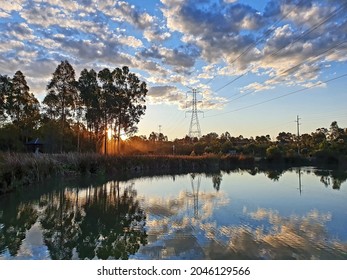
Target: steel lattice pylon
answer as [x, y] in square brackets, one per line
[194, 128]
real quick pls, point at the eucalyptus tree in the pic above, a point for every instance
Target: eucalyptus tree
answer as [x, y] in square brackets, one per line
[107, 100]
[122, 100]
[21, 105]
[62, 94]
[90, 94]
[89, 97]
[129, 101]
[17, 96]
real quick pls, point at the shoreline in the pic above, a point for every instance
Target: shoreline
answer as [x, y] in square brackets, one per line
[22, 170]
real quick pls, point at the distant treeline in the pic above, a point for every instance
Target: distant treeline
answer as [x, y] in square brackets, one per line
[328, 145]
[75, 115]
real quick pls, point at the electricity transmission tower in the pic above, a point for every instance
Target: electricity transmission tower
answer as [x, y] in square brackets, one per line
[194, 128]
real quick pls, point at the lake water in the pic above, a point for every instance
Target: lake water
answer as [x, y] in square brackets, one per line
[295, 214]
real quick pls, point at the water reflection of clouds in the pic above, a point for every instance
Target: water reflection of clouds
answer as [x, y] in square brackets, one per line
[175, 232]
[293, 237]
[178, 227]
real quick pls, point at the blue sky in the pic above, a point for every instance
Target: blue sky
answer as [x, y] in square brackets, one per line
[257, 64]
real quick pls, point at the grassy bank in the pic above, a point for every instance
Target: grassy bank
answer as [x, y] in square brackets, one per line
[19, 170]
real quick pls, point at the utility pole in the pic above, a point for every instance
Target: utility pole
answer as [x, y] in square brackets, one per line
[159, 129]
[194, 128]
[298, 132]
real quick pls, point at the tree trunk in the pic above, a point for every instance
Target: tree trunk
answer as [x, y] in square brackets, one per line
[118, 134]
[105, 140]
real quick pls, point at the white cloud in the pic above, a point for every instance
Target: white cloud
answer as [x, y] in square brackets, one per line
[256, 87]
[220, 35]
[12, 5]
[4, 14]
[130, 41]
[156, 34]
[165, 94]
[5, 46]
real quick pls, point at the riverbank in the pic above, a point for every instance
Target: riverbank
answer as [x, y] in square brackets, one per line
[20, 170]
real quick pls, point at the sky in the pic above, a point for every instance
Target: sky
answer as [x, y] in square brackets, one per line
[256, 65]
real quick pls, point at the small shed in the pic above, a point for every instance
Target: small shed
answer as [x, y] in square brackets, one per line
[35, 146]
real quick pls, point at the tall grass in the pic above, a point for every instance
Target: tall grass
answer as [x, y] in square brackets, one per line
[18, 170]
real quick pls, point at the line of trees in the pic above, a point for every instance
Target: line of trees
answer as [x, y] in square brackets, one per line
[75, 115]
[324, 142]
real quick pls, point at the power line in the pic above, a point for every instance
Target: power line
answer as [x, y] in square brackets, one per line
[286, 71]
[278, 97]
[248, 48]
[331, 49]
[313, 28]
[308, 31]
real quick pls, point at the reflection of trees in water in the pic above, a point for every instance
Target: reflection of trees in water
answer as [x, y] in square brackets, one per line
[114, 225]
[333, 178]
[60, 223]
[105, 223]
[14, 222]
[216, 179]
[273, 174]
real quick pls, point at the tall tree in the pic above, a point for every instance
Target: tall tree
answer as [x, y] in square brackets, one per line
[22, 106]
[62, 90]
[90, 95]
[130, 101]
[107, 100]
[62, 94]
[20, 102]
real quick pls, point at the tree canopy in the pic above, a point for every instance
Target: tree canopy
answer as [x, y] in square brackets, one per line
[74, 112]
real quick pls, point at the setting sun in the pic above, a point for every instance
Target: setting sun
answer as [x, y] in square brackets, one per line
[123, 135]
[110, 134]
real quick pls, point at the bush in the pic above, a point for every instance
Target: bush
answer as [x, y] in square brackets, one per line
[273, 152]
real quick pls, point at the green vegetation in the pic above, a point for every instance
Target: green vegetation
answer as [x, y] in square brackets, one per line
[322, 146]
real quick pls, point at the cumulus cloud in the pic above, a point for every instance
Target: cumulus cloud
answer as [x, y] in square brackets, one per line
[175, 57]
[12, 5]
[130, 41]
[179, 42]
[233, 33]
[165, 94]
[256, 87]
[156, 34]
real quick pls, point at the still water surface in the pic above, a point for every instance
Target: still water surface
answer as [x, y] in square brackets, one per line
[296, 214]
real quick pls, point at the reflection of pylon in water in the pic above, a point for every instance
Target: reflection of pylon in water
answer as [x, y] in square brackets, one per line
[300, 185]
[195, 194]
